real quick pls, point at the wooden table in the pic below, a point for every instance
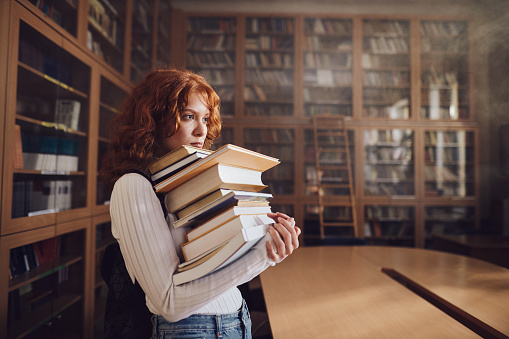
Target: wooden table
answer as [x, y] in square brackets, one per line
[491, 248]
[343, 292]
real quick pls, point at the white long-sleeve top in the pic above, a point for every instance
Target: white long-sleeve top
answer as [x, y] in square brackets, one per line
[151, 248]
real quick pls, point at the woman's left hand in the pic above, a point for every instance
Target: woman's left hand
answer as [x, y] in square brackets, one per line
[285, 236]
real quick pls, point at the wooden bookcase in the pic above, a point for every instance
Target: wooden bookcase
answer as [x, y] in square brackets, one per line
[406, 79]
[399, 81]
[78, 57]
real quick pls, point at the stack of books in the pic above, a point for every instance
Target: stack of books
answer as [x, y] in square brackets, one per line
[217, 193]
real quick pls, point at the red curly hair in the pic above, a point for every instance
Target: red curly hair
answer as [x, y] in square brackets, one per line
[152, 109]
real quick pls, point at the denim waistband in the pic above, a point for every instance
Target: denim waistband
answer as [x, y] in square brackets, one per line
[217, 322]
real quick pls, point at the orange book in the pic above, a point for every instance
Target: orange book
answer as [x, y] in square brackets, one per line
[18, 149]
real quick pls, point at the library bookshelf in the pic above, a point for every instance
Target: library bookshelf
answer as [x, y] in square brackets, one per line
[66, 67]
[404, 84]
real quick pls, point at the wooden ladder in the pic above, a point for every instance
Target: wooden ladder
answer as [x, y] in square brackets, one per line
[336, 197]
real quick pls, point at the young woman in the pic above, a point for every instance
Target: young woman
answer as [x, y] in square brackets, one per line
[167, 109]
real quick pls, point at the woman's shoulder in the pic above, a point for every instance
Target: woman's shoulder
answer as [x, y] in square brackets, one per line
[132, 179]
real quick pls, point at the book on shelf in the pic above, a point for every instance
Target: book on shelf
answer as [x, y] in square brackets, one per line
[171, 158]
[67, 112]
[215, 177]
[226, 155]
[18, 149]
[216, 201]
[235, 248]
[228, 215]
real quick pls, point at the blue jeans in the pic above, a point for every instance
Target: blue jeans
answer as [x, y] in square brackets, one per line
[228, 326]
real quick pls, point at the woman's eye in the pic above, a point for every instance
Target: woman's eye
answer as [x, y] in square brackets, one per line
[206, 120]
[188, 117]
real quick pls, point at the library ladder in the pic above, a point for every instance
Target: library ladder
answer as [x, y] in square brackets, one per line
[336, 196]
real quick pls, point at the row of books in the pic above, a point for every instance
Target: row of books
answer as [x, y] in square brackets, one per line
[332, 60]
[217, 42]
[377, 228]
[326, 43]
[272, 77]
[29, 257]
[394, 173]
[446, 113]
[328, 95]
[265, 42]
[376, 27]
[448, 155]
[210, 59]
[267, 59]
[389, 189]
[386, 78]
[449, 138]
[211, 25]
[46, 153]
[272, 92]
[326, 77]
[217, 195]
[389, 212]
[443, 28]
[316, 108]
[328, 26]
[269, 25]
[31, 197]
[385, 96]
[381, 61]
[386, 45]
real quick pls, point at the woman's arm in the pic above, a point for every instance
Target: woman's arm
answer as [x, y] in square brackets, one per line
[149, 250]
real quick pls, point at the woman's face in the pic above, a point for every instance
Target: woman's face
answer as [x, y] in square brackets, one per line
[193, 126]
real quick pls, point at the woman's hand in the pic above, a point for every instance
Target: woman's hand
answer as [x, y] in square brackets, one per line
[285, 236]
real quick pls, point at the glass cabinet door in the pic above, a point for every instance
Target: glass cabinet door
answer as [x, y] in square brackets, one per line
[269, 67]
[386, 69]
[46, 287]
[51, 122]
[278, 143]
[106, 29]
[142, 38]
[111, 97]
[449, 163]
[327, 66]
[389, 162]
[211, 47]
[444, 70]
[390, 225]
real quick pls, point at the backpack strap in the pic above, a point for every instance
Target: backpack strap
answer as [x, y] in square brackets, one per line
[160, 196]
[126, 315]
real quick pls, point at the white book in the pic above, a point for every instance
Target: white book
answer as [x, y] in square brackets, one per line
[228, 215]
[233, 250]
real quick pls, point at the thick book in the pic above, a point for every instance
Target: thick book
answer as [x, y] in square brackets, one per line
[215, 177]
[200, 259]
[172, 157]
[223, 195]
[230, 199]
[227, 155]
[177, 166]
[233, 250]
[221, 233]
[225, 216]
